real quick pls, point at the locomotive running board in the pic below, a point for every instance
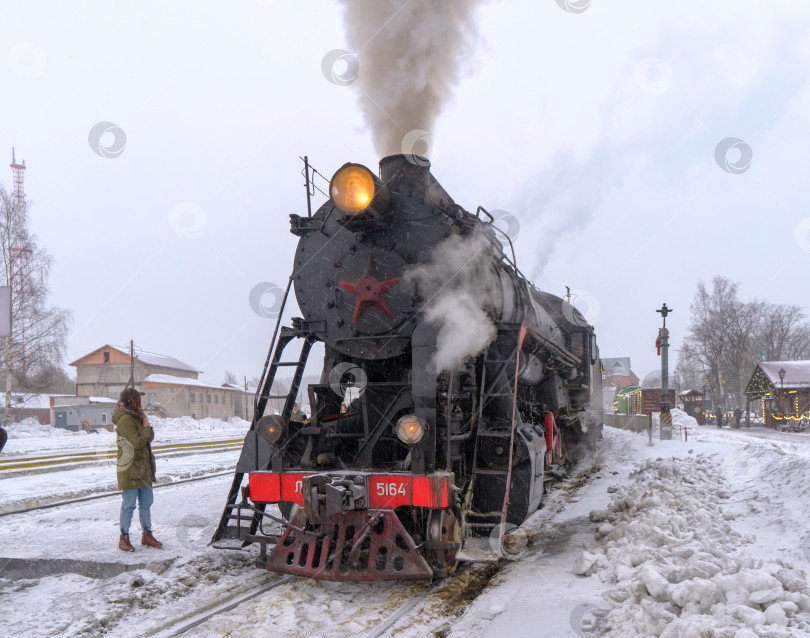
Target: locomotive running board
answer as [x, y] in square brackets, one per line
[479, 549]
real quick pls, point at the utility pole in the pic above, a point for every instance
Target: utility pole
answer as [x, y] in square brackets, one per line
[131, 364]
[665, 422]
[246, 400]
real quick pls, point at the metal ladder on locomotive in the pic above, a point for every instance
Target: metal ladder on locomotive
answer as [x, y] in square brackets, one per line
[479, 527]
[233, 511]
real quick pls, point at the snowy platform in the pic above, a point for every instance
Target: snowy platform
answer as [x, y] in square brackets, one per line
[701, 538]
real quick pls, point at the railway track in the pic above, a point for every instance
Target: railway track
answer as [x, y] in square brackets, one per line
[431, 608]
[105, 454]
[389, 621]
[93, 497]
[386, 622]
[202, 616]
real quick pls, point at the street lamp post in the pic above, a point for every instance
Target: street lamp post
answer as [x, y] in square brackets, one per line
[782, 390]
[703, 405]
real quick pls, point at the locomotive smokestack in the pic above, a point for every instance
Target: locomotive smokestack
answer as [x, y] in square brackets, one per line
[413, 171]
[410, 56]
[411, 168]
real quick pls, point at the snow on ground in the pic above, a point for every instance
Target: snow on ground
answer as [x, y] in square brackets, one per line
[690, 539]
[705, 538]
[29, 437]
[184, 575]
[31, 490]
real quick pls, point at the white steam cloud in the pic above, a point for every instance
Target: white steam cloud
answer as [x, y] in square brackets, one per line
[411, 55]
[465, 329]
[462, 293]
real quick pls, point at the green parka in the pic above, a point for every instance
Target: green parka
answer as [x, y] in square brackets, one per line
[135, 463]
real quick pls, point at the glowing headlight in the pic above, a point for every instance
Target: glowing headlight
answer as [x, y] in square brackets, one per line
[271, 428]
[410, 429]
[352, 188]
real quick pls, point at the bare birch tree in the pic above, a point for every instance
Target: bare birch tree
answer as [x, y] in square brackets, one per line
[728, 336]
[33, 354]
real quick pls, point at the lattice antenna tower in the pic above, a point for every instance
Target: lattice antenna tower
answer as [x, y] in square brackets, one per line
[20, 254]
[18, 171]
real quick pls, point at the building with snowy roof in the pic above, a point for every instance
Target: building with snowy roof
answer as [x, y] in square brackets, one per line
[643, 399]
[694, 404]
[32, 406]
[172, 396]
[782, 389]
[172, 388]
[82, 413]
[616, 372]
[106, 371]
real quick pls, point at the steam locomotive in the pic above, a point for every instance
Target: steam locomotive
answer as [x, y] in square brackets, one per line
[450, 388]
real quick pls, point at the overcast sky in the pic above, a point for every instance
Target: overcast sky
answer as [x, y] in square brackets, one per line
[596, 130]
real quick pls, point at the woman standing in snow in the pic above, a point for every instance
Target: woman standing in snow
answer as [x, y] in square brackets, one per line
[135, 467]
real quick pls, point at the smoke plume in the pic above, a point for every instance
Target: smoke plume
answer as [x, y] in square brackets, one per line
[462, 294]
[411, 55]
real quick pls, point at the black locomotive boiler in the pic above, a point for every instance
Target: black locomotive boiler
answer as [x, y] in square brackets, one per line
[450, 386]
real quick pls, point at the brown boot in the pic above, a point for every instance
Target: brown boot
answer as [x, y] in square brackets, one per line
[150, 541]
[124, 545]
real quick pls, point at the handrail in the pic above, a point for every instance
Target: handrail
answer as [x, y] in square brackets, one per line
[262, 379]
[513, 262]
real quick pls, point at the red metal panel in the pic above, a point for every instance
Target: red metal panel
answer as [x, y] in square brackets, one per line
[386, 491]
[265, 488]
[291, 488]
[551, 431]
[430, 491]
[389, 491]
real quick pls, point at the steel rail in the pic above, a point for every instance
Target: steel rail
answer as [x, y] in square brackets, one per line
[20, 465]
[386, 624]
[94, 453]
[189, 623]
[93, 497]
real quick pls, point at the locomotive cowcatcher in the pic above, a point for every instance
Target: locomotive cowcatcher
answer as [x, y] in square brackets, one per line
[430, 436]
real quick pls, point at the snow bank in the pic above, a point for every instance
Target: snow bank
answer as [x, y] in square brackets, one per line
[29, 437]
[187, 424]
[184, 424]
[677, 567]
[31, 427]
[680, 421]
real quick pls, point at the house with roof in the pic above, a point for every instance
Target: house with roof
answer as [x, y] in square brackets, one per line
[82, 413]
[693, 403]
[616, 372]
[782, 389]
[170, 395]
[171, 387]
[31, 406]
[106, 371]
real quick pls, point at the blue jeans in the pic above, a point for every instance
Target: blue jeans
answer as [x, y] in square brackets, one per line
[145, 499]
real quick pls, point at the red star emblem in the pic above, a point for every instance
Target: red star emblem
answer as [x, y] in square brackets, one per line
[370, 291]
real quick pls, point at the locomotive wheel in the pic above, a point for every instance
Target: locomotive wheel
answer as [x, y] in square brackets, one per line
[443, 526]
